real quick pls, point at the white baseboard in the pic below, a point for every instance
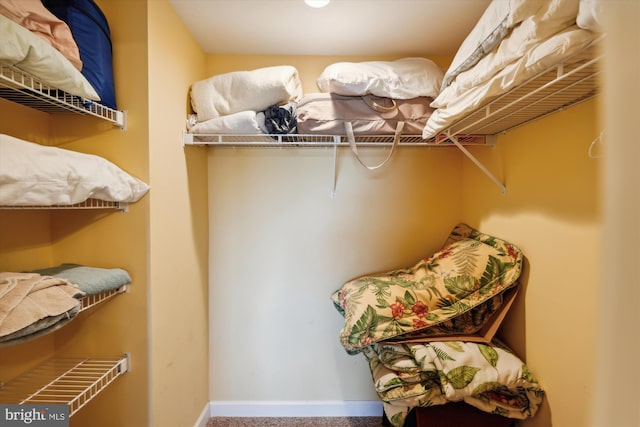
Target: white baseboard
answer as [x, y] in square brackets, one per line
[204, 416]
[303, 408]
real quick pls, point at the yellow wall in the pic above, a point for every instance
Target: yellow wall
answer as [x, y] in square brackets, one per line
[102, 239]
[160, 241]
[551, 210]
[178, 228]
[280, 245]
[115, 240]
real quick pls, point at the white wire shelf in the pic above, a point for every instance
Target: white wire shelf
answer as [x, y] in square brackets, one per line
[23, 88]
[560, 86]
[73, 382]
[87, 204]
[89, 301]
[317, 140]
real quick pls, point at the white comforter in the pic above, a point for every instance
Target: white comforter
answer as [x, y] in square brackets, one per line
[255, 90]
[545, 37]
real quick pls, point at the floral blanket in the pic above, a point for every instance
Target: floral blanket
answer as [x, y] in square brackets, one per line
[453, 292]
[488, 377]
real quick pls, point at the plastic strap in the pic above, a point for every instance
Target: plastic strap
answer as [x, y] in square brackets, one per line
[354, 148]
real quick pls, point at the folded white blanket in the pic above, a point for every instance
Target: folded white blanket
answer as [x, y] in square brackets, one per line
[243, 122]
[455, 103]
[237, 91]
[553, 17]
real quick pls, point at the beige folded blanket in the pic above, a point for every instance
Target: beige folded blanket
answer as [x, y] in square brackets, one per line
[237, 91]
[26, 298]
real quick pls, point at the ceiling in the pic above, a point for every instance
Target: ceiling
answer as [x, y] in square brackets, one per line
[344, 27]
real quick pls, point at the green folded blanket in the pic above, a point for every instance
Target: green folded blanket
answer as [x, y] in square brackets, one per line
[91, 280]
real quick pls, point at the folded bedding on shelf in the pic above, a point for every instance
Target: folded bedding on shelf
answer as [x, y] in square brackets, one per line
[39, 175]
[527, 22]
[488, 377]
[326, 113]
[435, 296]
[452, 103]
[22, 49]
[90, 280]
[32, 15]
[91, 32]
[493, 26]
[30, 301]
[256, 90]
[545, 36]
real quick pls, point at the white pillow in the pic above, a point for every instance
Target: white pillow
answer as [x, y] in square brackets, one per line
[21, 48]
[33, 175]
[405, 78]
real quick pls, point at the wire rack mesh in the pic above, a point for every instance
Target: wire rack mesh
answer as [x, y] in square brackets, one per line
[23, 88]
[73, 382]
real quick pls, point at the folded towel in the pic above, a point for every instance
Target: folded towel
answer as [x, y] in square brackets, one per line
[237, 91]
[26, 298]
[39, 328]
[90, 280]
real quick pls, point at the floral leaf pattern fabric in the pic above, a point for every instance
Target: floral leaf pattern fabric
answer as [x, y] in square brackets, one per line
[488, 377]
[454, 291]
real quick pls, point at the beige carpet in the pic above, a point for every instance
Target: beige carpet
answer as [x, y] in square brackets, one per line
[296, 422]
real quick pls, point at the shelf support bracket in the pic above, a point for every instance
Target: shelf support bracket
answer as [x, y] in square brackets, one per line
[477, 162]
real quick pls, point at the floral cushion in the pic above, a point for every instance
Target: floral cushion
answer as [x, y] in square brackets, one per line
[489, 377]
[452, 292]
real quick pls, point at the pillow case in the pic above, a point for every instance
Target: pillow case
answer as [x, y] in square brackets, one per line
[33, 175]
[405, 78]
[32, 15]
[21, 48]
[470, 270]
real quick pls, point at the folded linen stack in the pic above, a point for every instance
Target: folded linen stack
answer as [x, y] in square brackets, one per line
[38, 302]
[235, 102]
[32, 304]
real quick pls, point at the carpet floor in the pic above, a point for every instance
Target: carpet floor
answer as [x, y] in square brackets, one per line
[295, 422]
